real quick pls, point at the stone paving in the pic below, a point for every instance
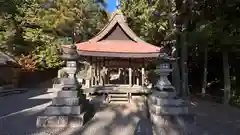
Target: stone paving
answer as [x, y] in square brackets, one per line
[18, 115]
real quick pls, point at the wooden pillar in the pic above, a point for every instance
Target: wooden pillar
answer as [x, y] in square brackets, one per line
[137, 76]
[107, 75]
[104, 75]
[93, 74]
[143, 70]
[130, 76]
[90, 74]
[99, 72]
[130, 73]
[124, 75]
[96, 71]
[133, 76]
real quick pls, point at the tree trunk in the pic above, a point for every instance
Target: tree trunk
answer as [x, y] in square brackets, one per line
[176, 72]
[204, 82]
[175, 53]
[184, 68]
[176, 77]
[227, 81]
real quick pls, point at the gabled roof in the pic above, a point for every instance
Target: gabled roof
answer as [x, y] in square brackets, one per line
[116, 39]
[117, 19]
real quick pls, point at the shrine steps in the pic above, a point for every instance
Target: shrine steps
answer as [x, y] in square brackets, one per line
[119, 98]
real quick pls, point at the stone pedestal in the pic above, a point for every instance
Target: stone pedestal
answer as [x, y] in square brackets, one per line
[169, 115]
[67, 108]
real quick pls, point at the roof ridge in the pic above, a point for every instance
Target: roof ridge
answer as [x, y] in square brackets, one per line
[117, 18]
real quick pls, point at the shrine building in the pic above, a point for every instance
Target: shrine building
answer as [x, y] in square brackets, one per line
[118, 59]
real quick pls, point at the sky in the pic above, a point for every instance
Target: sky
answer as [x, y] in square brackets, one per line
[111, 5]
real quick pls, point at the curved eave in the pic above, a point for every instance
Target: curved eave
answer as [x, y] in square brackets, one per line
[119, 54]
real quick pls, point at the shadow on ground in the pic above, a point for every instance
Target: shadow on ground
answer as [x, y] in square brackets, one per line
[20, 114]
[19, 111]
[122, 119]
[216, 119]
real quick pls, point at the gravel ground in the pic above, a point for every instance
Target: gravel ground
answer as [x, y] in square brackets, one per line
[18, 115]
[216, 119]
[19, 112]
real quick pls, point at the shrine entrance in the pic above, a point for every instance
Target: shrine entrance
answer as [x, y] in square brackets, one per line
[117, 71]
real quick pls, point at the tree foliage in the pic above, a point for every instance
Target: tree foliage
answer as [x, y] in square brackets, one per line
[216, 23]
[206, 24]
[148, 19]
[215, 27]
[39, 27]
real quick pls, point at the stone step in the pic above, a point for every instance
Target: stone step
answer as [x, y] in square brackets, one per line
[118, 99]
[119, 102]
[60, 121]
[118, 95]
[166, 102]
[63, 110]
[163, 94]
[167, 110]
[65, 101]
[65, 93]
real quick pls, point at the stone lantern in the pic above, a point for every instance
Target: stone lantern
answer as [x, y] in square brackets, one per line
[162, 71]
[70, 55]
[67, 109]
[168, 113]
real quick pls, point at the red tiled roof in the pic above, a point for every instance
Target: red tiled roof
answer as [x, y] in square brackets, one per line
[118, 46]
[103, 44]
